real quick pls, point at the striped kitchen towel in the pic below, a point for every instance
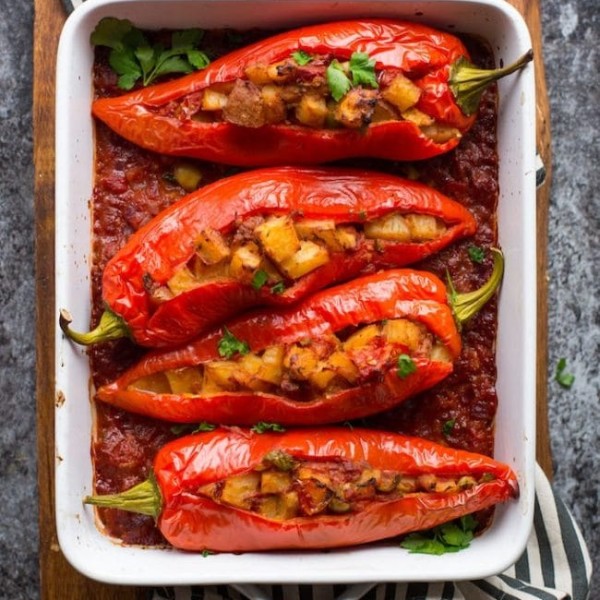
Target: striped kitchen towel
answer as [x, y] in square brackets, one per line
[555, 566]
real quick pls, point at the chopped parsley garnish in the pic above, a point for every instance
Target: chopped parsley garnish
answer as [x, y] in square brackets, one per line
[206, 553]
[450, 537]
[565, 379]
[263, 427]
[192, 428]
[448, 427]
[278, 288]
[338, 82]
[133, 58]
[476, 254]
[301, 58]
[406, 366]
[229, 345]
[259, 279]
[361, 70]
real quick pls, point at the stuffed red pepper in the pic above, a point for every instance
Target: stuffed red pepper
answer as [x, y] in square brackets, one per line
[237, 491]
[380, 88]
[267, 237]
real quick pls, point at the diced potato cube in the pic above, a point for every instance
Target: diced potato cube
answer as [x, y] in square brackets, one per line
[441, 134]
[402, 93]
[247, 374]
[258, 74]
[185, 381]
[244, 261]
[272, 365]
[340, 239]
[272, 507]
[240, 489]
[321, 378]
[275, 482]
[306, 473]
[407, 485]
[384, 112]
[203, 272]
[427, 482]
[273, 104]
[312, 111]
[445, 486]
[362, 337]
[343, 366]
[356, 108]
[219, 375]
[187, 175]
[157, 383]
[391, 228]
[182, 281]
[314, 497]
[211, 247]
[308, 229]
[466, 482]
[339, 506]
[309, 257]
[417, 117]
[403, 332]
[278, 238]
[387, 482]
[301, 362]
[291, 94]
[369, 476]
[281, 72]
[439, 353]
[424, 227]
[212, 100]
[160, 294]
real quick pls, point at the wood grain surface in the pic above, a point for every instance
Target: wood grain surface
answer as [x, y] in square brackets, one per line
[58, 580]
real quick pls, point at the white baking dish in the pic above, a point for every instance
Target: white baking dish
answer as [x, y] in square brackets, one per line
[99, 557]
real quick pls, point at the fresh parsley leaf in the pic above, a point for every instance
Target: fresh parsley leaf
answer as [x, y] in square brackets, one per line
[110, 32]
[259, 279]
[565, 379]
[263, 426]
[204, 426]
[448, 426]
[229, 345]
[362, 69]
[476, 254]
[406, 366]
[132, 57]
[338, 82]
[302, 58]
[278, 288]
[206, 553]
[449, 537]
[180, 428]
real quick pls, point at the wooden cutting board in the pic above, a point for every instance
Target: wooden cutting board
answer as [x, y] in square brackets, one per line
[58, 579]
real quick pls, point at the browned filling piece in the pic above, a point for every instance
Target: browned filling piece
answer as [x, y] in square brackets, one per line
[290, 93]
[277, 250]
[283, 487]
[308, 368]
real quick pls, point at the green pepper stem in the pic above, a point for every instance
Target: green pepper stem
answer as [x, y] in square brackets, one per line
[143, 498]
[468, 304]
[468, 82]
[111, 327]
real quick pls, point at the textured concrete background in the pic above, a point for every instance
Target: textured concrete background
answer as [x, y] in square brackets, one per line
[571, 33]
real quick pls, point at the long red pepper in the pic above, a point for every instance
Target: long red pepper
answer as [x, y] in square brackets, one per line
[191, 521]
[436, 61]
[415, 295]
[156, 251]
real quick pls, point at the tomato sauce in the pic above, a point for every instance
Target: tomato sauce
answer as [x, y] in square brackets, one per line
[133, 185]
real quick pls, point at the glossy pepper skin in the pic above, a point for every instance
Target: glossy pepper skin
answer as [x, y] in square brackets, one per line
[423, 54]
[192, 522]
[343, 195]
[419, 296]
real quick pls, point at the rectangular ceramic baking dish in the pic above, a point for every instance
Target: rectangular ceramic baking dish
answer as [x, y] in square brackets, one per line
[101, 558]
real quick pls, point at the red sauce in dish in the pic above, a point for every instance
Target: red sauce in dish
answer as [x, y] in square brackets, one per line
[133, 185]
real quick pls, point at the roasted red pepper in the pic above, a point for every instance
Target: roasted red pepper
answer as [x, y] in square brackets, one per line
[267, 237]
[396, 336]
[169, 118]
[338, 487]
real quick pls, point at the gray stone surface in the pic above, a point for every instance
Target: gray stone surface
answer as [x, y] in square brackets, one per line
[570, 44]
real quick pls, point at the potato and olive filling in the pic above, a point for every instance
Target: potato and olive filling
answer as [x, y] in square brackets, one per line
[277, 250]
[315, 91]
[283, 487]
[308, 368]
